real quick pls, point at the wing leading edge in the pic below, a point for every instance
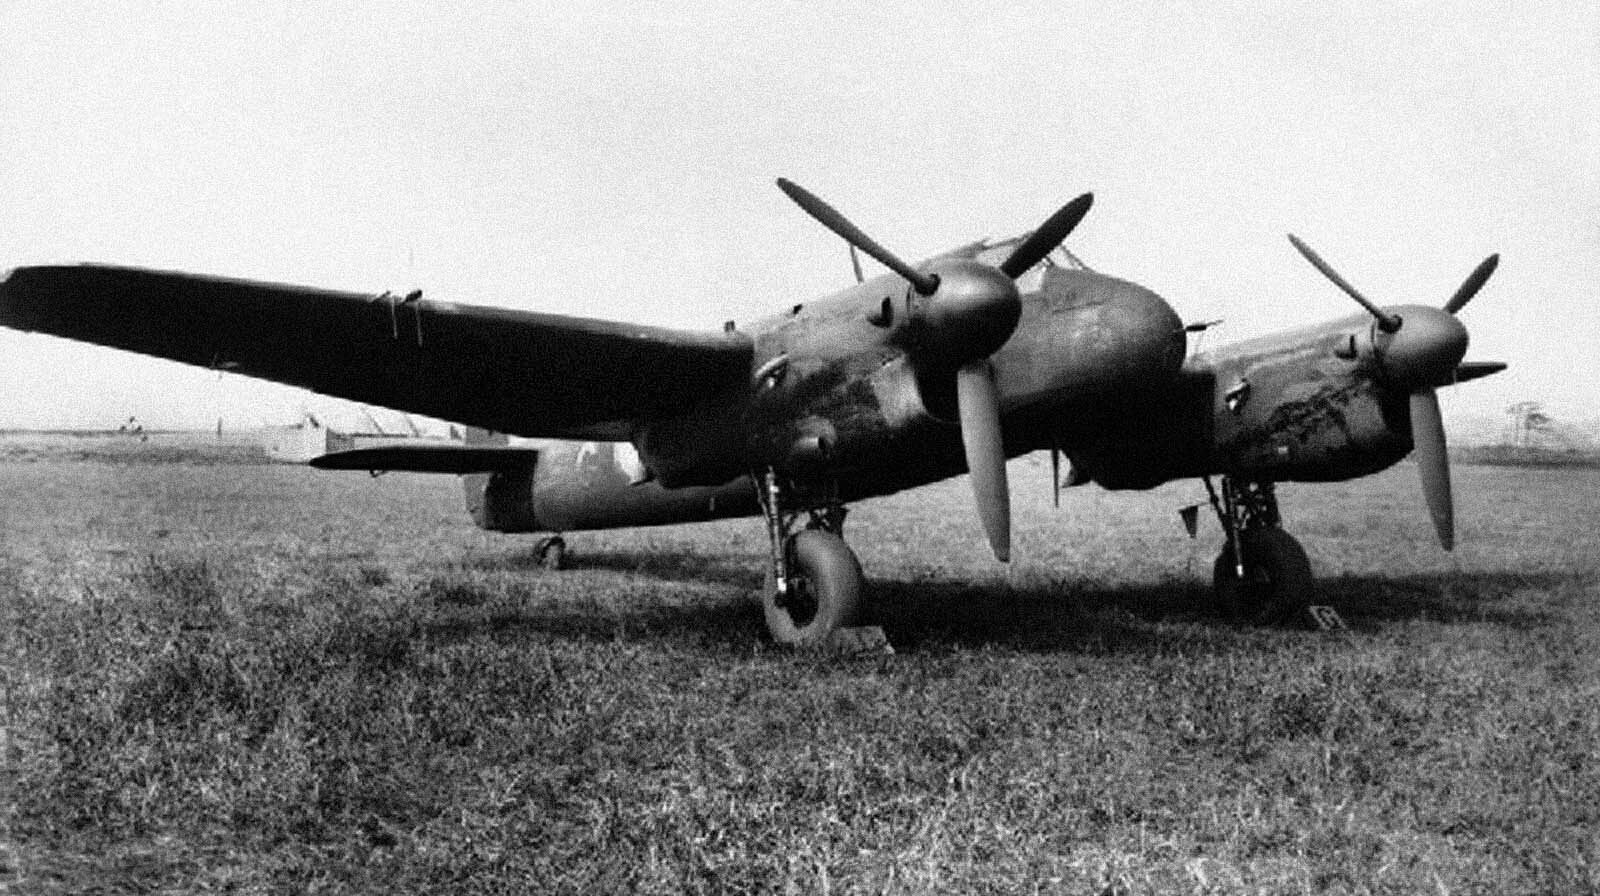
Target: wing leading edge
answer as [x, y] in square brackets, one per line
[518, 372]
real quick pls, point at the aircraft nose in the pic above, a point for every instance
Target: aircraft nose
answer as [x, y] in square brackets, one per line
[1426, 348]
[1087, 337]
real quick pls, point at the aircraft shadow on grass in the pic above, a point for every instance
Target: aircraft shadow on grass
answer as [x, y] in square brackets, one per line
[1122, 617]
[1043, 617]
[1369, 601]
[733, 569]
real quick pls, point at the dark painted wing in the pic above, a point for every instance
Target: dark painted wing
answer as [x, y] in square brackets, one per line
[513, 371]
[458, 459]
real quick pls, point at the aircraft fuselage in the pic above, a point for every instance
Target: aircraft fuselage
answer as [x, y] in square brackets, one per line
[1095, 369]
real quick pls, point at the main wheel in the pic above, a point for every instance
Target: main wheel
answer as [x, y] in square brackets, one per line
[825, 593]
[1277, 586]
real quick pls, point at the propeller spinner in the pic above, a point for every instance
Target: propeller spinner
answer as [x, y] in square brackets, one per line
[966, 311]
[1419, 351]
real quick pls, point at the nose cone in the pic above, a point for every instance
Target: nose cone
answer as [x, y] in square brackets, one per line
[1426, 348]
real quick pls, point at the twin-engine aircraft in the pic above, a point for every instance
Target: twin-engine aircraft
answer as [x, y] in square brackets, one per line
[951, 366]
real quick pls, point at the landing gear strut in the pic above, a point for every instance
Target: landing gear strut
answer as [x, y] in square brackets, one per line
[815, 585]
[1262, 575]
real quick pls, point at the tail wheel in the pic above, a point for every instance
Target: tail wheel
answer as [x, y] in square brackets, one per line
[1277, 585]
[551, 552]
[824, 592]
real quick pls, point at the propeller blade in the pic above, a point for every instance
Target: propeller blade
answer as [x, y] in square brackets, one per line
[1386, 322]
[978, 401]
[1471, 370]
[1473, 283]
[1433, 463]
[1049, 235]
[828, 217]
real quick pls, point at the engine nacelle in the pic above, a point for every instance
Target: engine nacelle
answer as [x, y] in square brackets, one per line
[576, 486]
[503, 501]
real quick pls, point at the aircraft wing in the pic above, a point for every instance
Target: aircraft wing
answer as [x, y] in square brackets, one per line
[516, 372]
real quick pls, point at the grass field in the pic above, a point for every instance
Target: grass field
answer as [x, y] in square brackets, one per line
[252, 678]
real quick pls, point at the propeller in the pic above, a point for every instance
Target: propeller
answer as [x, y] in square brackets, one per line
[1388, 323]
[1420, 351]
[965, 312]
[1473, 283]
[978, 403]
[1433, 463]
[1049, 235]
[827, 216]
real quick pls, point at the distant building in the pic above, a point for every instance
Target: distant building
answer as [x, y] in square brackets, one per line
[311, 438]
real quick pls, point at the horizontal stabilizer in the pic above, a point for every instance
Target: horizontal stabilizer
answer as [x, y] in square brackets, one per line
[1471, 370]
[459, 459]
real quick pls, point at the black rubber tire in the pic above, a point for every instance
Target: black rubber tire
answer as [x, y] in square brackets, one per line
[1277, 587]
[828, 596]
[551, 552]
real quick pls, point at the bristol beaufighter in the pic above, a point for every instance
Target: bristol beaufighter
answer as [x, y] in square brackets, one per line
[950, 366]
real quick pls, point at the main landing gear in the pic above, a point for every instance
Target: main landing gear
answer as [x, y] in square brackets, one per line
[814, 589]
[1262, 575]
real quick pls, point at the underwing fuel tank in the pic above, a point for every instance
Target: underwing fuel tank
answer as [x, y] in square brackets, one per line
[576, 486]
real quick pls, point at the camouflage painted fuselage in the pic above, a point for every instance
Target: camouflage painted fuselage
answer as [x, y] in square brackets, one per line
[1095, 368]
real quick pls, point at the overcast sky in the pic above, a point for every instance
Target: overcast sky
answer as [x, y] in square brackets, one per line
[616, 160]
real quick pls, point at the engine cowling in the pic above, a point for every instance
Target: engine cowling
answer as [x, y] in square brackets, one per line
[502, 501]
